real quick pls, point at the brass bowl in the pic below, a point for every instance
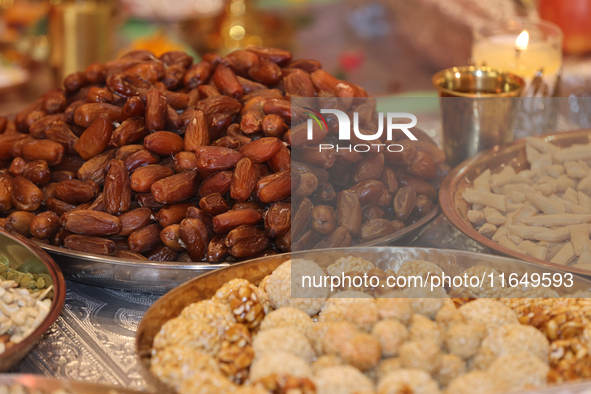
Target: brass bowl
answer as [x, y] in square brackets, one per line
[204, 287]
[19, 250]
[47, 385]
[455, 207]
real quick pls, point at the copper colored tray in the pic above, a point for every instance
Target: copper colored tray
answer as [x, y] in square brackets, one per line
[19, 250]
[204, 287]
[455, 207]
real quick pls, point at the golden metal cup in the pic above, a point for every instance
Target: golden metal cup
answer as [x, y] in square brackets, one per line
[478, 109]
[80, 33]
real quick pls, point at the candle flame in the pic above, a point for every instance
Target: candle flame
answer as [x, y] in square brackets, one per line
[522, 40]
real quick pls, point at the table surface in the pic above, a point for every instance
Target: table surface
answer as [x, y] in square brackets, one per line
[93, 338]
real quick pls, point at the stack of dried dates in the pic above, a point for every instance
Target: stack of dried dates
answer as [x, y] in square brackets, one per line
[158, 158]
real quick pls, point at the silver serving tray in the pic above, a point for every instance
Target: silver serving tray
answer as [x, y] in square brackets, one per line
[47, 385]
[160, 277]
[204, 287]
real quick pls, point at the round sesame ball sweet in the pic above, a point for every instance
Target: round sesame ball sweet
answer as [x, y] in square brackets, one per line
[352, 306]
[196, 335]
[491, 313]
[474, 382]
[174, 364]
[423, 354]
[216, 314]
[348, 264]
[520, 371]
[283, 339]
[425, 301]
[393, 305]
[336, 335]
[420, 268]
[386, 366]
[448, 316]
[287, 317]
[422, 327]
[464, 339]
[363, 351]
[263, 283]
[307, 299]
[403, 381]
[315, 335]
[342, 379]
[451, 367]
[391, 334]
[205, 382]
[327, 361]
[279, 364]
[512, 339]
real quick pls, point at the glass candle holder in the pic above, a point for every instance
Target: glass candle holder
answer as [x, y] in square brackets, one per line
[531, 49]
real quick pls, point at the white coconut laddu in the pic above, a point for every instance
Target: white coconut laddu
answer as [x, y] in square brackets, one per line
[544, 211]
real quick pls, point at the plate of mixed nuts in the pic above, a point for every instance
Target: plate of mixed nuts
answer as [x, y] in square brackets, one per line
[32, 294]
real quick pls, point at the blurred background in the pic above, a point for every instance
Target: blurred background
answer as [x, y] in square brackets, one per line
[390, 47]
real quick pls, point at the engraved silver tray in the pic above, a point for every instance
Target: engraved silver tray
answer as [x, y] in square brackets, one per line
[160, 277]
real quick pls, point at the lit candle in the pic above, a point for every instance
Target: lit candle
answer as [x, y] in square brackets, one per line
[529, 49]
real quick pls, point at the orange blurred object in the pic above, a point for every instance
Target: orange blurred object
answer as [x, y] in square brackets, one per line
[572, 16]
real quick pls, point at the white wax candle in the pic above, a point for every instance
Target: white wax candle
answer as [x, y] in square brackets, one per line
[501, 52]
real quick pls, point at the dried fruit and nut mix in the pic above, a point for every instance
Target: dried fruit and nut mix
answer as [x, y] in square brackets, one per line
[25, 300]
[158, 158]
[258, 339]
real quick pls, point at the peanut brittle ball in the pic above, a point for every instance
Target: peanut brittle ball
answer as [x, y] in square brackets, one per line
[236, 353]
[176, 363]
[348, 264]
[422, 327]
[307, 299]
[214, 313]
[489, 312]
[363, 351]
[342, 379]
[405, 381]
[391, 334]
[205, 382]
[287, 317]
[451, 367]
[464, 340]
[393, 305]
[474, 382]
[512, 339]
[192, 334]
[284, 339]
[352, 306]
[279, 364]
[423, 354]
[248, 303]
[520, 371]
